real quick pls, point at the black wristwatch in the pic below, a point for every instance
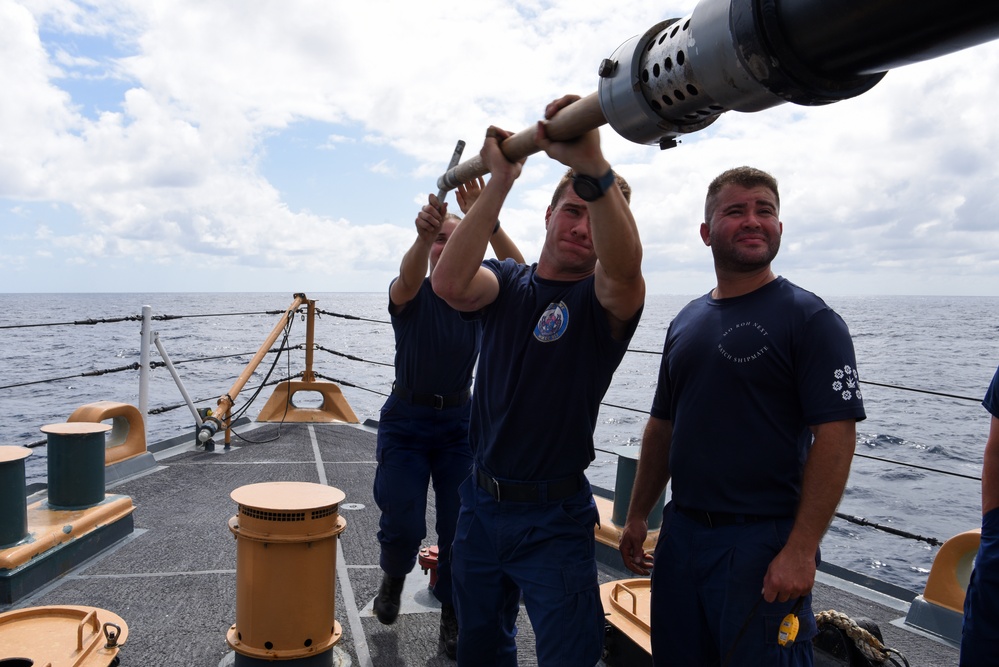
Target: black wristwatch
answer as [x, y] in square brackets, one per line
[592, 189]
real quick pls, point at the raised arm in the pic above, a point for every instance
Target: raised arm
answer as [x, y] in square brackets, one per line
[503, 246]
[792, 572]
[620, 286]
[413, 268]
[459, 278]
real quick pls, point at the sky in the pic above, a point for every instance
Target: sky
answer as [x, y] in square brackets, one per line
[210, 146]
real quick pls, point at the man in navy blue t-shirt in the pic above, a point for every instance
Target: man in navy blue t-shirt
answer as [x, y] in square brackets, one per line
[980, 634]
[553, 334]
[423, 426]
[754, 423]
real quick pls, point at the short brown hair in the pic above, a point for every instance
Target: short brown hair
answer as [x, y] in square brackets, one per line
[745, 177]
[567, 179]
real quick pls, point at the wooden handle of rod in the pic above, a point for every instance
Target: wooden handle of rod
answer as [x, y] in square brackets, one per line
[574, 120]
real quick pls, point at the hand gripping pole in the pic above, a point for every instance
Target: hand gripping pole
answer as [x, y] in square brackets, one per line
[572, 121]
[455, 157]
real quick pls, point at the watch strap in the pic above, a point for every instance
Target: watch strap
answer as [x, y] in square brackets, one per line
[606, 181]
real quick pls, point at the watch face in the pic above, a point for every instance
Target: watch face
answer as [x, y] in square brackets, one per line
[586, 187]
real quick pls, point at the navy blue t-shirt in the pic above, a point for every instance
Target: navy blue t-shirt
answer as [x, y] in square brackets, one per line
[991, 402]
[547, 359]
[741, 380]
[435, 348]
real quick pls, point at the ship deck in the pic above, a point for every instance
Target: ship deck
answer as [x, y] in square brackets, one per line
[173, 580]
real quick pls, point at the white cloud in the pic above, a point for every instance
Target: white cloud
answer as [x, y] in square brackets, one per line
[334, 139]
[893, 186]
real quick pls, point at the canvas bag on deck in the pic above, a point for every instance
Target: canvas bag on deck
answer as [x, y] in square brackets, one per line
[833, 646]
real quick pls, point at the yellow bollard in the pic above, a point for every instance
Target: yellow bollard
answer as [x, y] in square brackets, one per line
[128, 431]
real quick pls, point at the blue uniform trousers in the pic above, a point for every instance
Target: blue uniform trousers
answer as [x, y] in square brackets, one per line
[707, 609]
[544, 551]
[417, 445]
[980, 634]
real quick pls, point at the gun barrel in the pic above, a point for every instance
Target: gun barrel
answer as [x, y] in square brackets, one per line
[840, 38]
[750, 55]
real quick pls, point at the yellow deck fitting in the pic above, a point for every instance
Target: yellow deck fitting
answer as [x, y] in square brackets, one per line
[61, 636]
[286, 541]
[610, 534]
[77, 519]
[951, 571]
[49, 528]
[627, 604]
[280, 407]
[940, 609]
[128, 430]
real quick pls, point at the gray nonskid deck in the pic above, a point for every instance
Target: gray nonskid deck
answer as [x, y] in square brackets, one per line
[173, 580]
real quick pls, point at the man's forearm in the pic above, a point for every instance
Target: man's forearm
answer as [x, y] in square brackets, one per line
[990, 469]
[792, 571]
[825, 475]
[615, 237]
[619, 284]
[653, 467]
[453, 277]
[653, 474]
[412, 271]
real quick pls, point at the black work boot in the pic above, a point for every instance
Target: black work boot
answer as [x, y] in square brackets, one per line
[387, 601]
[449, 630]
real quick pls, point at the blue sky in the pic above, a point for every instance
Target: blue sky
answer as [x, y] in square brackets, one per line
[262, 146]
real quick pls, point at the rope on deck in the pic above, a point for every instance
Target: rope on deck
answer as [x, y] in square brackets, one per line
[870, 646]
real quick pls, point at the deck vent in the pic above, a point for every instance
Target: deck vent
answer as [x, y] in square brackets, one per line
[286, 547]
[271, 516]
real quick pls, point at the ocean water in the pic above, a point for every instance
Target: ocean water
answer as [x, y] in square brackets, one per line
[917, 345]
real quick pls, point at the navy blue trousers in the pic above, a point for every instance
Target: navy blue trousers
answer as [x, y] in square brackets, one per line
[980, 634]
[707, 609]
[416, 446]
[543, 551]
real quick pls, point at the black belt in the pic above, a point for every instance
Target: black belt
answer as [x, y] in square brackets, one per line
[719, 519]
[436, 401]
[529, 492]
